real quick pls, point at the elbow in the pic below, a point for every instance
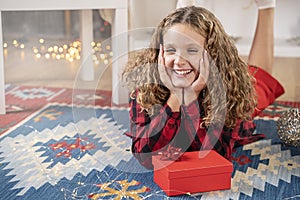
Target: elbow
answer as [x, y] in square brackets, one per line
[144, 157]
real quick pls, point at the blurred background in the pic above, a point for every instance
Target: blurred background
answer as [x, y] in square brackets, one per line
[43, 47]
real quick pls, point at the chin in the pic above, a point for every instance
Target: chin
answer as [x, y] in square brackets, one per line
[181, 85]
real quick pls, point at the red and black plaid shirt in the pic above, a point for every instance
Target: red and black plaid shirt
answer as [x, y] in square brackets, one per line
[182, 129]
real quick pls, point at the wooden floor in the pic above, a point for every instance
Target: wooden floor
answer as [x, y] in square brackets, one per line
[22, 67]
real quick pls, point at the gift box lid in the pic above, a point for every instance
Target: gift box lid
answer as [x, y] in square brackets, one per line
[194, 163]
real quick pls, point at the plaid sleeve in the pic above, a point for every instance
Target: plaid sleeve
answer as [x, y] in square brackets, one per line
[150, 134]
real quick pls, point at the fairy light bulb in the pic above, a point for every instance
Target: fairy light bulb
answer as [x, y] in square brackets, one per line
[41, 41]
[47, 56]
[38, 55]
[60, 49]
[35, 50]
[50, 49]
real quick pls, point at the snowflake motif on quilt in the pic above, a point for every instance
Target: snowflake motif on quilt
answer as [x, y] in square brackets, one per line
[76, 147]
[33, 93]
[119, 190]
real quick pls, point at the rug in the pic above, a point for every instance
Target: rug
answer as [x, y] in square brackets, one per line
[21, 101]
[65, 144]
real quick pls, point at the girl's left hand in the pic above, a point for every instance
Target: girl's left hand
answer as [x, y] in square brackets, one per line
[204, 65]
[191, 93]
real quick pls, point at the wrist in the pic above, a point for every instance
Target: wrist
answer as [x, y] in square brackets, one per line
[174, 102]
[189, 96]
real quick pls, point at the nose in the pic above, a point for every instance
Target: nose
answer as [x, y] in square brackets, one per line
[179, 60]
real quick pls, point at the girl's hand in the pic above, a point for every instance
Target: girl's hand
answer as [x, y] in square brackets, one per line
[200, 82]
[192, 93]
[164, 77]
[164, 74]
[175, 98]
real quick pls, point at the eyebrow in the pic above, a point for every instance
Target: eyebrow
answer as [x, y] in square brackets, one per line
[194, 45]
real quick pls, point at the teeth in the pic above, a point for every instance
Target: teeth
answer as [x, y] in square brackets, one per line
[183, 72]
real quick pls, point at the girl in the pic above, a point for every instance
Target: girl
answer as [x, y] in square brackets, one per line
[192, 90]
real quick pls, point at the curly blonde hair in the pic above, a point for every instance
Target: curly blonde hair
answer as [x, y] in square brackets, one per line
[141, 72]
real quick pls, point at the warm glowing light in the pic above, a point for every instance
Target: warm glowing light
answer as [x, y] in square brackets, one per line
[50, 49]
[35, 50]
[38, 55]
[47, 56]
[102, 56]
[69, 52]
[41, 41]
[55, 48]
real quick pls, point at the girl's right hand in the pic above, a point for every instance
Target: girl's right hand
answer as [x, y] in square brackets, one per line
[164, 74]
[175, 98]
[164, 77]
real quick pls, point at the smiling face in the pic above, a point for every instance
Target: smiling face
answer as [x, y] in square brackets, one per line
[183, 50]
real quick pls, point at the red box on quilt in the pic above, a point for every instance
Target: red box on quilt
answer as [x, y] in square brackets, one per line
[194, 172]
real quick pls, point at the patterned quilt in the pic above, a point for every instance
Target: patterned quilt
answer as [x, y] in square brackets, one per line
[64, 150]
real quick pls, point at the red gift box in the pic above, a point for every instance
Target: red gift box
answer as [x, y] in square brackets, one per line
[194, 172]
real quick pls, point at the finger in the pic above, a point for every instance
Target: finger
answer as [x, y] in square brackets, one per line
[161, 60]
[204, 70]
[202, 67]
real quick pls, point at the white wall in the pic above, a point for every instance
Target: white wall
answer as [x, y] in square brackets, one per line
[148, 13]
[239, 16]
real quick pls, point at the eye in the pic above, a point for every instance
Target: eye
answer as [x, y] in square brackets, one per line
[170, 50]
[193, 50]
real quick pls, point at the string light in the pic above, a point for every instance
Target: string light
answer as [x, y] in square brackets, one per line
[69, 52]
